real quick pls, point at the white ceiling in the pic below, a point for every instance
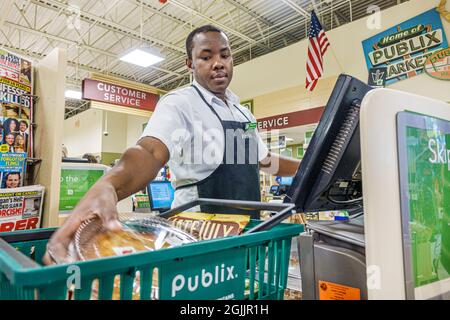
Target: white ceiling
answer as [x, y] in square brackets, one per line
[97, 32]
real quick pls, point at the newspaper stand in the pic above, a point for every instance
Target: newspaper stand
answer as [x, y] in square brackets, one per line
[251, 266]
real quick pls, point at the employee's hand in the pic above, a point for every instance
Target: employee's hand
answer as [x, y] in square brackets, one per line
[100, 201]
[138, 165]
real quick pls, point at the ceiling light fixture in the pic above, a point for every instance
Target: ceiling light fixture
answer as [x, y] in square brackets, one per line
[73, 94]
[142, 57]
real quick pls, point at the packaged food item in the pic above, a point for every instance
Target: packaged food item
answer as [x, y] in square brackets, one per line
[93, 241]
[247, 289]
[205, 226]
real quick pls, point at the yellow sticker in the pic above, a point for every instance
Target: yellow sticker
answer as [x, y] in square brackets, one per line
[4, 148]
[334, 291]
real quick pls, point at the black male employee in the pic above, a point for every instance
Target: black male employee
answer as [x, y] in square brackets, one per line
[208, 139]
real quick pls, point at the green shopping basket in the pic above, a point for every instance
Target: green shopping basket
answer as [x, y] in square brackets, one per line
[250, 266]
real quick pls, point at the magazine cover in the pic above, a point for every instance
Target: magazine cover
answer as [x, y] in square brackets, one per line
[21, 208]
[16, 112]
[12, 169]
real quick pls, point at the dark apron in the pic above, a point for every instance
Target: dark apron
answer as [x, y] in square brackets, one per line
[236, 181]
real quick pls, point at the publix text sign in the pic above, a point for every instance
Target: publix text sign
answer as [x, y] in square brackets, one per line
[405, 48]
[218, 275]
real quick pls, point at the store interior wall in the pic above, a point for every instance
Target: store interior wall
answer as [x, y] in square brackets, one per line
[83, 133]
[135, 127]
[293, 99]
[114, 134]
[276, 81]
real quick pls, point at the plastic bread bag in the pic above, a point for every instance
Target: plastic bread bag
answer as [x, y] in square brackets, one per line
[93, 241]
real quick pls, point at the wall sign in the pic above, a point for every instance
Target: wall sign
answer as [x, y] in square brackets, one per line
[74, 183]
[292, 119]
[438, 65]
[404, 49]
[118, 95]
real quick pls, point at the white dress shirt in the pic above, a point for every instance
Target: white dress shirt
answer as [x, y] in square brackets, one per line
[183, 122]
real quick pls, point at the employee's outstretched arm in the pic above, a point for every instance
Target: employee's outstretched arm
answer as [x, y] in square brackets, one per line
[279, 165]
[138, 165]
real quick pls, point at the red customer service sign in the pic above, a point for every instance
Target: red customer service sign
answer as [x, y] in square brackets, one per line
[292, 119]
[118, 95]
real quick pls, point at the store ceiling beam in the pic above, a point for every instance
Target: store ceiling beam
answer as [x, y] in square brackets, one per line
[104, 23]
[210, 20]
[251, 13]
[114, 62]
[297, 8]
[5, 7]
[39, 56]
[84, 105]
[158, 12]
[86, 32]
[275, 33]
[255, 15]
[74, 43]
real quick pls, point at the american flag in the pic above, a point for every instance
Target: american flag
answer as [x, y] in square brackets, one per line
[318, 44]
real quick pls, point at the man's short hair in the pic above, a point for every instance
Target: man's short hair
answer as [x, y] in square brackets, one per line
[23, 121]
[12, 174]
[202, 29]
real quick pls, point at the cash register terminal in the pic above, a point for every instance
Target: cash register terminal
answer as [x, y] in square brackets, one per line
[332, 253]
[396, 246]
[160, 195]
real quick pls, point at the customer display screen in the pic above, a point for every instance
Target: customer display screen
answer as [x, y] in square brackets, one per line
[161, 194]
[287, 181]
[424, 162]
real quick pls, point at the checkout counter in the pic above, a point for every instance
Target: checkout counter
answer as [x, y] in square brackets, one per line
[396, 243]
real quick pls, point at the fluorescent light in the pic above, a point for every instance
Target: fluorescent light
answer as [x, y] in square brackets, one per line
[73, 94]
[289, 139]
[141, 58]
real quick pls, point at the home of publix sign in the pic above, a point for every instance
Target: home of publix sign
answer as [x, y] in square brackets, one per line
[405, 48]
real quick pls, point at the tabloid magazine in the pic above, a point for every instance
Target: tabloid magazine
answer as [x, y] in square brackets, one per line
[16, 112]
[20, 207]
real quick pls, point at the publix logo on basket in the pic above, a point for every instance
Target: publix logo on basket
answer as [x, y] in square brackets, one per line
[205, 279]
[206, 275]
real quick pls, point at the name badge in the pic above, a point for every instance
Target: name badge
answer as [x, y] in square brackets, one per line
[250, 126]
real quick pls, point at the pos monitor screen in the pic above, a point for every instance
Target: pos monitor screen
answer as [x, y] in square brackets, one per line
[286, 181]
[329, 176]
[160, 195]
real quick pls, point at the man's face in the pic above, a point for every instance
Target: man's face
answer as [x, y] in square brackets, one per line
[10, 139]
[12, 181]
[25, 64]
[211, 63]
[23, 127]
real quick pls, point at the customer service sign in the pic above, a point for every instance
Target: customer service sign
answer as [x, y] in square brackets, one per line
[405, 48]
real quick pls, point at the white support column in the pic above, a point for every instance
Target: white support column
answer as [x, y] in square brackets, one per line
[49, 116]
